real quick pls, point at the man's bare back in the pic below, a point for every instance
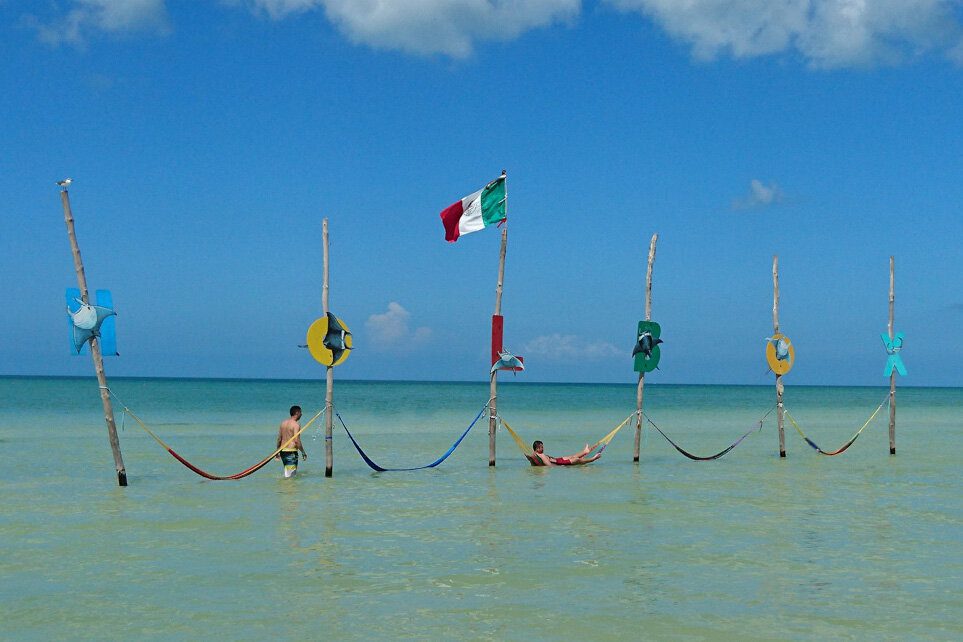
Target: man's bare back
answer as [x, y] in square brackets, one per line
[289, 442]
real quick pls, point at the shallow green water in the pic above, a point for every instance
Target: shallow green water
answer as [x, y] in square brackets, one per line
[860, 546]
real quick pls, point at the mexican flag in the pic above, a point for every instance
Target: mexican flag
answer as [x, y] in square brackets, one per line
[476, 211]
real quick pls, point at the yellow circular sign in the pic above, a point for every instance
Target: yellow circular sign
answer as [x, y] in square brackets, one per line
[329, 340]
[780, 355]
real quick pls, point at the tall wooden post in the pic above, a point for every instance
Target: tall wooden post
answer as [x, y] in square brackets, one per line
[94, 344]
[329, 390]
[640, 391]
[493, 388]
[775, 328]
[892, 375]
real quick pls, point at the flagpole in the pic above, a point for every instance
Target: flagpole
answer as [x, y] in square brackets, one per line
[94, 344]
[493, 388]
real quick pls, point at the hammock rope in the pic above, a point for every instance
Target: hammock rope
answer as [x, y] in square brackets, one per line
[845, 446]
[722, 452]
[241, 475]
[381, 469]
[600, 445]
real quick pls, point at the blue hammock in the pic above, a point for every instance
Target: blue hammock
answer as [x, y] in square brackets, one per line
[380, 469]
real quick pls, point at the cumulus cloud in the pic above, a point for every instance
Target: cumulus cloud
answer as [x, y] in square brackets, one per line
[760, 195]
[827, 33]
[390, 330]
[568, 347]
[449, 27]
[109, 16]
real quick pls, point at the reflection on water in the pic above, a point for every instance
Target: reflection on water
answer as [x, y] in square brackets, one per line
[863, 545]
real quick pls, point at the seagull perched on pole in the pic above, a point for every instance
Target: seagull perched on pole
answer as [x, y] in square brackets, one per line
[64, 183]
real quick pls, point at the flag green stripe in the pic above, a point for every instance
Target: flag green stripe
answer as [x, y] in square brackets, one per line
[493, 201]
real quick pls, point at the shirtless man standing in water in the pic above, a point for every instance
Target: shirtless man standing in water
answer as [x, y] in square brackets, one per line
[289, 454]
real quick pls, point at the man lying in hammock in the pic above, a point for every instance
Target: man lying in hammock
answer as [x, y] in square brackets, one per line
[539, 458]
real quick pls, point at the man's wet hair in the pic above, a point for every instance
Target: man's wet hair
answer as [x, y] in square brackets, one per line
[295, 410]
[536, 445]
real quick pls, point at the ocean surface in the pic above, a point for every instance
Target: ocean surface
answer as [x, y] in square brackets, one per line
[862, 546]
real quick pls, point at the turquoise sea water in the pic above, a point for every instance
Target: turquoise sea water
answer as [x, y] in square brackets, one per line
[859, 546]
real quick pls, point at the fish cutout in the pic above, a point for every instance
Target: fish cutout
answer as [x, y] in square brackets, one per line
[86, 322]
[508, 361]
[329, 340]
[645, 344]
[781, 346]
[646, 353]
[893, 347]
[780, 354]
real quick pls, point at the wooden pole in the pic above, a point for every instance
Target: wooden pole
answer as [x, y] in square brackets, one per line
[775, 328]
[640, 391]
[329, 389]
[493, 387]
[892, 375]
[94, 345]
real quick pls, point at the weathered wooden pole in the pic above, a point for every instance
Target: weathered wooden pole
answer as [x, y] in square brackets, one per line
[775, 327]
[892, 374]
[640, 391]
[329, 390]
[493, 388]
[94, 344]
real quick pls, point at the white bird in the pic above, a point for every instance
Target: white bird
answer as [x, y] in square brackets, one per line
[65, 182]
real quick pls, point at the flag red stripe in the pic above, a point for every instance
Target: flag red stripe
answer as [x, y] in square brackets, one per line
[449, 218]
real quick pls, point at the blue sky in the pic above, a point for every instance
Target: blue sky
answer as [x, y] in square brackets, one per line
[207, 140]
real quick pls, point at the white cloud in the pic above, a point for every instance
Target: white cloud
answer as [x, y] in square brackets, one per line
[450, 27]
[827, 33]
[568, 347]
[390, 330]
[110, 16]
[760, 195]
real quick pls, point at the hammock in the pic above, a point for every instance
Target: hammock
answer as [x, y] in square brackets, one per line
[718, 454]
[241, 475]
[375, 467]
[601, 444]
[844, 446]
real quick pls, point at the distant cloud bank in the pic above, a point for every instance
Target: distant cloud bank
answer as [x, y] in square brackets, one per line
[567, 347]
[760, 195]
[448, 27]
[389, 331]
[87, 17]
[824, 33]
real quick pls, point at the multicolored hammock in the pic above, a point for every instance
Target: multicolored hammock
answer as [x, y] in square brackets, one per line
[375, 467]
[845, 446]
[721, 452]
[600, 445]
[241, 475]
